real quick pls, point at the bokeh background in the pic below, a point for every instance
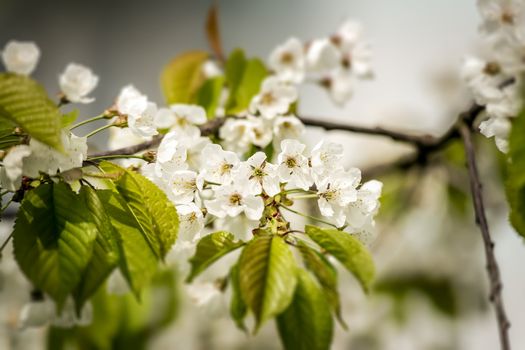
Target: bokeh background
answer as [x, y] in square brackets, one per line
[418, 48]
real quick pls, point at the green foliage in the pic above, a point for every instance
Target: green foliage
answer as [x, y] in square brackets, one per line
[121, 322]
[210, 249]
[306, 324]
[182, 77]
[326, 275]
[106, 251]
[68, 243]
[209, 94]
[347, 250]
[69, 118]
[515, 183]
[155, 213]
[26, 104]
[238, 308]
[268, 276]
[244, 78]
[53, 238]
[438, 290]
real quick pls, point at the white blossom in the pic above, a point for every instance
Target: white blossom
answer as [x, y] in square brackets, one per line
[288, 127]
[211, 69]
[340, 86]
[12, 169]
[236, 134]
[182, 186]
[326, 157]
[140, 112]
[48, 160]
[68, 316]
[144, 124]
[131, 101]
[362, 211]
[260, 131]
[336, 192]
[356, 53]
[260, 174]
[219, 165]
[171, 156]
[234, 199]
[180, 116]
[499, 128]
[20, 57]
[287, 60]
[274, 98]
[117, 284]
[37, 313]
[500, 18]
[194, 143]
[322, 55]
[293, 165]
[191, 222]
[207, 296]
[76, 82]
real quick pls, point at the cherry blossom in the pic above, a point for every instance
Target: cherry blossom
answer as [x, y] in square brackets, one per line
[20, 57]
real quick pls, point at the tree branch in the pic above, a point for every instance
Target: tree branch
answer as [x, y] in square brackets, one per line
[492, 266]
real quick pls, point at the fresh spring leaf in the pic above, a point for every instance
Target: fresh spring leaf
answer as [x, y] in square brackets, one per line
[138, 262]
[146, 220]
[209, 95]
[244, 78]
[234, 70]
[153, 210]
[69, 118]
[326, 275]
[25, 103]
[268, 276]
[307, 323]
[238, 308]
[348, 250]
[515, 183]
[210, 249]
[182, 77]
[53, 238]
[106, 251]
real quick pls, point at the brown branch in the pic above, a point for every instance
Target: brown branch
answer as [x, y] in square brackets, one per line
[492, 265]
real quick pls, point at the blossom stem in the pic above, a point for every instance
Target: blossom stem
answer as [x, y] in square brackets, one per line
[102, 128]
[87, 121]
[307, 216]
[115, 156]
[306, 196]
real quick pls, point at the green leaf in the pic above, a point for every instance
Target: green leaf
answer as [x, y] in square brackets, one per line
[25, 103]
[153, 210]
[53, 238]
[348, 250]
[182, 77]
[250, 84]
[515, 183]
[267, 274]
[138, 262]
[210, 249]
[238, 308]
[326, 275]
[307, 323]
[209, 95]
[234, 70]
[69, 118]
[106, 252]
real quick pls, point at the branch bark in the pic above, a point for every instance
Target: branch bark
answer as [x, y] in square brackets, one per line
[481, 220]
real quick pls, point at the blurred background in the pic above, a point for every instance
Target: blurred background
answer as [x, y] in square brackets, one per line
[432, 290]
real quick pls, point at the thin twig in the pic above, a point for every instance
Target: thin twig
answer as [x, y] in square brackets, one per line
[481, 220]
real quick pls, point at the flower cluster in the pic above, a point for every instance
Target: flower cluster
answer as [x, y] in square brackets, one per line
[495, 82]
[216, 183]
[333, 61]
